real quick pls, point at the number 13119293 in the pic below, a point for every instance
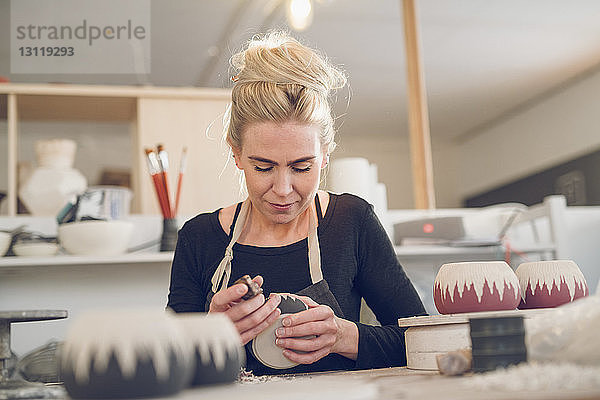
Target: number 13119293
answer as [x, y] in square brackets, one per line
[47, 51]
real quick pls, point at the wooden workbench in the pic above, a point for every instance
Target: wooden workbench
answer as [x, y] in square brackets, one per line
[387, 383]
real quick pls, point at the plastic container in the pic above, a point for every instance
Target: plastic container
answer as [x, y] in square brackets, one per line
[105, 203]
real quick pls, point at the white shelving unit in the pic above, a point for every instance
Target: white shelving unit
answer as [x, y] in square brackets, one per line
[544, 250]
[174, 117]
[66, 260]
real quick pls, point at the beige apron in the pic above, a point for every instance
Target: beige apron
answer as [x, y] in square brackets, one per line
[318, 291]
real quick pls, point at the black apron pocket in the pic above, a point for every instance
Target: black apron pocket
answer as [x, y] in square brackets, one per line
[320, 293]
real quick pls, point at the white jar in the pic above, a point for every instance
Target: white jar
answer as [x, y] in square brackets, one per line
[55, 182]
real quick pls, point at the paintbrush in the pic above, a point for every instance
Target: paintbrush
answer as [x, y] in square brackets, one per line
[153, 168]
[163, 162]
[182, 164]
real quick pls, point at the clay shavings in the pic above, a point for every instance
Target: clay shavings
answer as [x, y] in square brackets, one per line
[535, 376]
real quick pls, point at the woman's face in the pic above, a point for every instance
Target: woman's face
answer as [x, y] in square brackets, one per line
[282, 164]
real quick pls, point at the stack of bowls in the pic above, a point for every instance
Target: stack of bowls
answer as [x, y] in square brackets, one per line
[497, 342]
[5, 240]
[35, 248]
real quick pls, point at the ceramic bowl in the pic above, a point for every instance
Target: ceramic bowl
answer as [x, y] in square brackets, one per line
[550, 283]
[476, 286]
[218, 351]
[99, 238]
[125, 354]
[35, 249]
[263, 346]
[5, 240]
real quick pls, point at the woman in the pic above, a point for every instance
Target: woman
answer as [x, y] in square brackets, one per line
[291, 237]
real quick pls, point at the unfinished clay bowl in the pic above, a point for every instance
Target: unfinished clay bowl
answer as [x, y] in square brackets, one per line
[218, 351]
[475, 286]
[550, 283]
[125, 354]
[263, 346]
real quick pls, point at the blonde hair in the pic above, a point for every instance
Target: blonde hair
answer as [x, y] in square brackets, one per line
[279, 80]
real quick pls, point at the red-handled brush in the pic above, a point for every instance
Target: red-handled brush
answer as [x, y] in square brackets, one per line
[163, 162]
[182, 165]
[153, 169]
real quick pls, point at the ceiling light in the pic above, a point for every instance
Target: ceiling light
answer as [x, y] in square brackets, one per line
[299, 14]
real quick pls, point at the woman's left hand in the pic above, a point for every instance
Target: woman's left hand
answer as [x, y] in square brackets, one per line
[326, 334]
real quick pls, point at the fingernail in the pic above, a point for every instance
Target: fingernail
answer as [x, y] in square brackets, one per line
[286, 322]
[279, 332]
[275, 296]
[278, 342]
[240, 290]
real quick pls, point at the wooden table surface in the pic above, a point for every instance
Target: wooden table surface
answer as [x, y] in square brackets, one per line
[387, 383]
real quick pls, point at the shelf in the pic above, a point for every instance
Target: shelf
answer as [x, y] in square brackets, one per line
[76, 108]
[437, 250]
[66, 89]
[64, 260]
[167, 257]
[172, 116]
[91, 102]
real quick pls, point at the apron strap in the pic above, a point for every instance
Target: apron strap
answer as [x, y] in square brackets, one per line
[224, 268]
[235, 217]
[220, 278]
[314, 252]
[318, 208]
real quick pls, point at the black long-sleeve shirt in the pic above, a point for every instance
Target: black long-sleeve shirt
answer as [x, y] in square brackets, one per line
[357, 260]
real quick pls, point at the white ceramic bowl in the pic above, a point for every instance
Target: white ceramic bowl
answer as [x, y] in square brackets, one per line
[124, 354]
[5, 239]
[218, 351]
[35, 249]
[98, 238]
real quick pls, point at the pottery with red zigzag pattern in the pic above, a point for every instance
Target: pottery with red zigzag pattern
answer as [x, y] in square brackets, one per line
[546, 284]
[476, 286]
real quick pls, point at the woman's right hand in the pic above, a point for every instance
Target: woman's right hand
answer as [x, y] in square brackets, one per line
[250, 317]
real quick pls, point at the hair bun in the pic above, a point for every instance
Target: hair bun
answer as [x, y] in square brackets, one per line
[280, 80]
[278, 58]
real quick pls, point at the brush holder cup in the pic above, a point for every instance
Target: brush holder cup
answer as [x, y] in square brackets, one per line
[168, 240]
